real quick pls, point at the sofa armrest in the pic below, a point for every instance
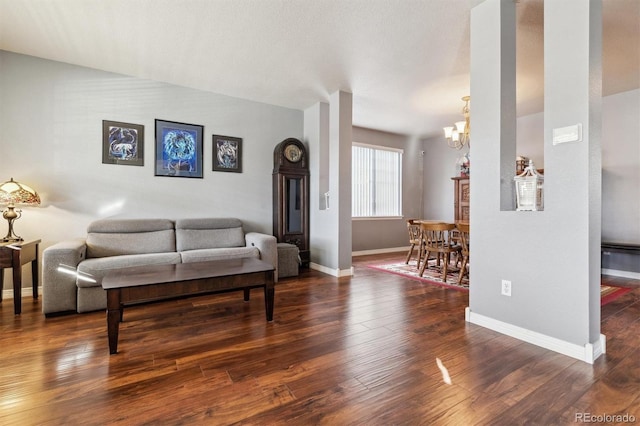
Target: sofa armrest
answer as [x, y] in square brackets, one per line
[59, 290]
[268, 246]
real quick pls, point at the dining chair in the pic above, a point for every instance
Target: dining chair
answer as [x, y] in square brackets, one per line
[437, 240]
[432, 256]
[463, 233]
[413, 226]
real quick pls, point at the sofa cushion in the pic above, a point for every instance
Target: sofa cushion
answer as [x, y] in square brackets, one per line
[114, 237]
[204, 255]
[95, 269]
[195, 234]
[111, 226]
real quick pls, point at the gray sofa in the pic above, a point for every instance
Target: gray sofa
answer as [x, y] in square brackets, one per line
[72, 270]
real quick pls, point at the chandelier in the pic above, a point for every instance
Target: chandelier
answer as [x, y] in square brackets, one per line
[459, 135]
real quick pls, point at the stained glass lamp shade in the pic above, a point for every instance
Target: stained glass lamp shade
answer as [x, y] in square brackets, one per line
[12, 193]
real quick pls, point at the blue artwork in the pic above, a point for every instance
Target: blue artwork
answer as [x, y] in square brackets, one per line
[179, 150]
[123, 143]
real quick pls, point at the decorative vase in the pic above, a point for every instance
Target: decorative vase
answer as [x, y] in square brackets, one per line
[463, 165]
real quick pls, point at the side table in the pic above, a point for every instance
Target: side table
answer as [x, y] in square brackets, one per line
[14, 255]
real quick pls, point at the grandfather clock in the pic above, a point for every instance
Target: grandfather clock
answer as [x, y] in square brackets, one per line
[291, 196]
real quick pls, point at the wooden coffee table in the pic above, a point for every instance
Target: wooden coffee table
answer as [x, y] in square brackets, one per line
[139, 284]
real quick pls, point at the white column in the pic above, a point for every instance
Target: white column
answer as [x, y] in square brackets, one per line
[340, 141]
[573, 98]
[328, 131]
[552, 257]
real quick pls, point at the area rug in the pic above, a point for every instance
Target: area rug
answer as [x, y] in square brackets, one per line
[434, 276]
[609, 293]
[431, 275]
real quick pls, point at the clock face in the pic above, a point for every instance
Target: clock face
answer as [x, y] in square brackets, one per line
[292, 153]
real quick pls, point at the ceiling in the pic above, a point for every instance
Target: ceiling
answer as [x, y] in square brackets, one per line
[405, 61]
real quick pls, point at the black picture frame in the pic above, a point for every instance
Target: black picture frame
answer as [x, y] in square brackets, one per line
[122, 143]
[227, 154]
[178, 149]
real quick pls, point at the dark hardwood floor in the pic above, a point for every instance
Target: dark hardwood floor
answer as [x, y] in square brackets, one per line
[355, 350]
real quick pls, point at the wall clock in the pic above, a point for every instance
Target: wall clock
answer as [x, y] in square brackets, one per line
[293, 153]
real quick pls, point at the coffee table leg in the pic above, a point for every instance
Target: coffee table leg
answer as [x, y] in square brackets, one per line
[269, 293]
[246, 294]
[114, 316]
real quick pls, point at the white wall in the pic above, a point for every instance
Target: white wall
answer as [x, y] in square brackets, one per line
[620, 162]
[439, 168]
[621, 167]
[530, 138]
[51, 137]
[372, 234]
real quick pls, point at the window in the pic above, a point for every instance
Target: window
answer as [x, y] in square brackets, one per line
[376, 181]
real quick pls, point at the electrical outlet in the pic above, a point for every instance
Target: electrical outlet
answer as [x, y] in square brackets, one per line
[506, 288]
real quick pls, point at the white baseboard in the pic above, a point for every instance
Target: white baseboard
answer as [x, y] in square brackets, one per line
[379, 251]
[349, 272]
[587, 353]
[26, 291]
[623, 274]
[330, 271]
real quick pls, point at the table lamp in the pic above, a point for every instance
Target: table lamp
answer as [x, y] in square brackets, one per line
[12, 193]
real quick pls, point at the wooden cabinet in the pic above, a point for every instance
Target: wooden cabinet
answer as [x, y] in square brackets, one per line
[461, 197]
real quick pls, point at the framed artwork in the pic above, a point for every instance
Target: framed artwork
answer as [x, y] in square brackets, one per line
[227, 154]
[178, 149]
[122, 143]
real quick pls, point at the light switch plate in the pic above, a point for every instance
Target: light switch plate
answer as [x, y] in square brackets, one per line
[567, 134]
